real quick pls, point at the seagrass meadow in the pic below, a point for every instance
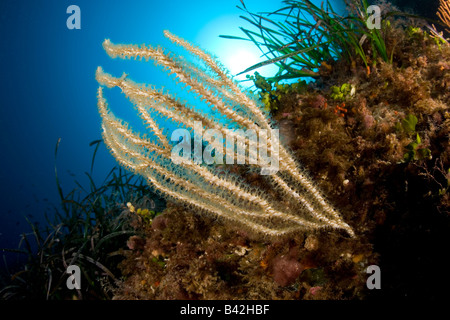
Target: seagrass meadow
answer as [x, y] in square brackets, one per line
[364, 170]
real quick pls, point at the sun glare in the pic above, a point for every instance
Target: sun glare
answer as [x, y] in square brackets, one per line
[235, 55]
[237, 60]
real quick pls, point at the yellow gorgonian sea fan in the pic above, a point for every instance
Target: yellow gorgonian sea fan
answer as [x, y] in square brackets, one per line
[444, 12]
[195, 184]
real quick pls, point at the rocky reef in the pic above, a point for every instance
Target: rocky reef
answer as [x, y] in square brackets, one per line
[376, 142]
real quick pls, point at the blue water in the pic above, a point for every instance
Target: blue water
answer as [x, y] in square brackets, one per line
[48, 87]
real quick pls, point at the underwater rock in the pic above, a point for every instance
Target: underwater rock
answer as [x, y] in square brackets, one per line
[286, 270]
